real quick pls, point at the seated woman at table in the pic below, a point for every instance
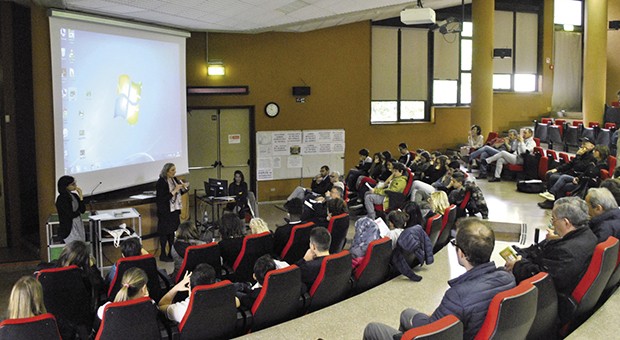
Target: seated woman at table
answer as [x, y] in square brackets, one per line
[233, 232]
[239, 190]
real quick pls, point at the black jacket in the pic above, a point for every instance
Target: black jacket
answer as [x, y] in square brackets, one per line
[578, 165]
[66, 214]
[606, 224]
[322, 187]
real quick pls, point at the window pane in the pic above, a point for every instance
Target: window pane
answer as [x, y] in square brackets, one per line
[411, 110]
[501, 81]
[444, 91]
[465, 88]
[567, 12]
[467, 29]
[466, 54]
[525, 82]
[383, 111]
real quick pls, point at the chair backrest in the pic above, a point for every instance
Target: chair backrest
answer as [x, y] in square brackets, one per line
[511, 314]
[447, 328]
[564, 157]
[491, 136]
[338, 228]
[539, 150]
[593, 282]
[278, 300]
[333, 282]
[375, 265]
[546, 120]
[559, 121]
[593, 124]
[540, 132]
[543, 165]
[449, 218]
[603, 137]
[589, 132]
[298, 243]
[407, 190]
[133, 319]
[554, 134]
[611, 160]
[433, 228]
[545, 324]
[37, 327]
[614, 280]
[571, 135]
[610, 125]
[202, 253]
[211, 313]
[577, 122]
[254, 246]
[144, 262]
[552, 155]
[65, 294]
[463, 204]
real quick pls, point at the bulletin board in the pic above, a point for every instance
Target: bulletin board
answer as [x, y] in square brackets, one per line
[298, 153]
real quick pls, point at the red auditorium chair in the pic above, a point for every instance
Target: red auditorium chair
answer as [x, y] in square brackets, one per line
[560, 122]
[374, 267]
[511, 314]
[545, 324]
[447, 328]
[37, 327]
[433, 228]
[564, 157]
[543, 166]
[338, 227]
[133, 319]
[203, 253]
[612, 283]
[211, 313]
[298, 243]
[552, 155]
[594, 124]
[462, 209]
[67, 297]
[397, 199]
[146, 263]
[610, 126]
[577, 122]
[333, 282]
[546, 120]
[605, 173]
[279, 299]
[590, 288]
[539, 150]
[254, 246]
[447, 223]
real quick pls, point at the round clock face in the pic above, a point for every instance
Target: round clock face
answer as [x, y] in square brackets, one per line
[272, 109]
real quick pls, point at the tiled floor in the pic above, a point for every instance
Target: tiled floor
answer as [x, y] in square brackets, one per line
[505, 205]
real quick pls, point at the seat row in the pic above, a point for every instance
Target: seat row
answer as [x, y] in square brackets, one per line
[560, 135]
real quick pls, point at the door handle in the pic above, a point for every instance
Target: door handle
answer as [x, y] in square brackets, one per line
[215, 164]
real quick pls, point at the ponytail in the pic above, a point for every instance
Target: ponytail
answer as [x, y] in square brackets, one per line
[133, 282]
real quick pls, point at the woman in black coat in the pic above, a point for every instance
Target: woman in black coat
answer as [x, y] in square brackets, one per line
[168, 198]
[70, 206]
[239, 190]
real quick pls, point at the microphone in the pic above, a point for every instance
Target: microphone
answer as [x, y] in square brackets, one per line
[91, 201]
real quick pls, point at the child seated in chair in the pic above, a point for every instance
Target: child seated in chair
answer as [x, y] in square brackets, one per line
[247, 293]
[129, 247]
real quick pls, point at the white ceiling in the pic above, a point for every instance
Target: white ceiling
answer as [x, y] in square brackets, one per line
[246, 16]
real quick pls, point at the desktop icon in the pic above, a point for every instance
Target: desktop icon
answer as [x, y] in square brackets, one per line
[63, 32]
[71, 34]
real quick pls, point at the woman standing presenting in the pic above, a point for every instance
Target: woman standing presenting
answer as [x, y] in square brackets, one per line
[70, 206]
[169, 191]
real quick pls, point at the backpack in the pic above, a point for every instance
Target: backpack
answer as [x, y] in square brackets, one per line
[532, 186]
[530, 166]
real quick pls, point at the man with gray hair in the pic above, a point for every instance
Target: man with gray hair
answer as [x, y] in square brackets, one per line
[604, 213]
[565, 254]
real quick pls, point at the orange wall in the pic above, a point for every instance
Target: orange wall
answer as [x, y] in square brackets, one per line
[613, 57]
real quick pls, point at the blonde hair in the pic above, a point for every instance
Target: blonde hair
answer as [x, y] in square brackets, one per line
[258, 225]
[439, 202]
[26, 299]
[133, 282]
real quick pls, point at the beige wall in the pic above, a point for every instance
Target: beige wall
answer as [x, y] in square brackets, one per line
[613, 57]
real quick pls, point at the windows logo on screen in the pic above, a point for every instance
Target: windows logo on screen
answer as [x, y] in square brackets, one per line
[127, 100]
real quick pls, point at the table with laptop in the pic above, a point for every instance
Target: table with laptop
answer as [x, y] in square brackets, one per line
[216, 196]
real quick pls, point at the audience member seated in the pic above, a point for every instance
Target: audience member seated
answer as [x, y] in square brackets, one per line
[565, 254]
[412, 209]
[496, 146]
[475, 140]
[378, 195]
[134, 287]
[470, 294]
[613, 185]
[525, 143]
[583, 158]
[361, 169]
[432, 174]
[443, 182]
[26, 299]
[310, 265]
[587, 175]
[130, 247]
[437, 204]
[246, 292]
[187, 235]
[316, 210]
[397, 221]
[233, 232]
[238, 189]
[604, 213]
[258, 226]
[405, 156]
[320, 185]
[366, 184]
[366, 231]
[282, 233]
[413, 243]
[203, 274]
[376, 168]
[476, 203]
[421, 163]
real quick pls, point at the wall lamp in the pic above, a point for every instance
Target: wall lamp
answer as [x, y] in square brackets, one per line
[216, 68]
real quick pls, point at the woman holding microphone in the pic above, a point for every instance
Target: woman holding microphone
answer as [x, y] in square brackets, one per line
[169, 191]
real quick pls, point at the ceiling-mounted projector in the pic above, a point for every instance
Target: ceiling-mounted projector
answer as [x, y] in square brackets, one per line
[417, 16]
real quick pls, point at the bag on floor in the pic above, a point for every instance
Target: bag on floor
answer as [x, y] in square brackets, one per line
[533, 186]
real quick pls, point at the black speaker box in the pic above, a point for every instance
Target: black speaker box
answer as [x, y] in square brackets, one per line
[301, 90]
